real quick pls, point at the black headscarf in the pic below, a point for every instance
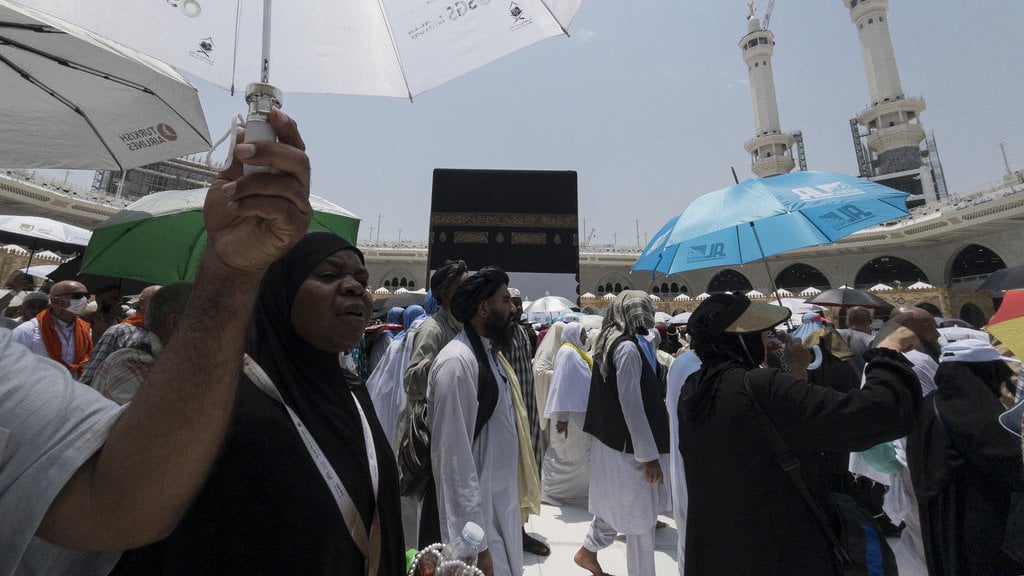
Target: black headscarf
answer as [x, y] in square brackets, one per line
[712, 344]
[465, 303]
[313, 383]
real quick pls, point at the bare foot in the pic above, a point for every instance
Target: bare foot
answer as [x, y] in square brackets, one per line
[588, 561]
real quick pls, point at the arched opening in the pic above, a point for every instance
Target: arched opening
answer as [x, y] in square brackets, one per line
[618, 287]
[412, 285]
[970, 312]
[931, 308]
[797, 277]
[655, 290]
[403, 282]
[675, 288]
[600, 289]
[974, 263]
[664, 287]
[387, 283]
[728, 281]
[889, 270]
[394, 282]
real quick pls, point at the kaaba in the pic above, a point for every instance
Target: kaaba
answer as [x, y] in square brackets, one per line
[525, 221]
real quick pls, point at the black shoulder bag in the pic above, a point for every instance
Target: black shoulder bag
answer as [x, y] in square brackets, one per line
[859, 546]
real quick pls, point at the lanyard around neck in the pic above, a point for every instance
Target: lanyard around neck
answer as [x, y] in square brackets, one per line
[370, 544]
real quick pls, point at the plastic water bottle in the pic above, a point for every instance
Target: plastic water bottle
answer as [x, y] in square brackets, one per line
[464, 548]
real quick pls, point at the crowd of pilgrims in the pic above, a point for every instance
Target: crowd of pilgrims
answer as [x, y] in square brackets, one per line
[627, 417]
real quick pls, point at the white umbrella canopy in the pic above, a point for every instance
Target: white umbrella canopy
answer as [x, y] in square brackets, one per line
[14, 249]
[382, 290]
[682, 298]
[797, 306]
[880, 288]
[43, 229]
[810, 291]
[782, 292]
[40, 270]
[609, 296]
[75, 100]
[755, 294]
[588, 295]
[654, 297]
[547, 308]
[662, 317]
[383, 48]
[920, 285]
[702, 296]
[681, 318]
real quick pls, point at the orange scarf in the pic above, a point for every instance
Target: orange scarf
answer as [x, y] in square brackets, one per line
[83, 342]
[135, 320]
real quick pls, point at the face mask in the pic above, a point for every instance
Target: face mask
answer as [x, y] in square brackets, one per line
[77, 306]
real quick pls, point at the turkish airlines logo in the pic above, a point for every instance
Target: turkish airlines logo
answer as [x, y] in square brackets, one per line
[166, 132]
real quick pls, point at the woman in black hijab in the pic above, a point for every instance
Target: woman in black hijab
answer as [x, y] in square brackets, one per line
[267, 507]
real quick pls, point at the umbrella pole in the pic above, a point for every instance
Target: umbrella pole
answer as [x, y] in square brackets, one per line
[764, 261]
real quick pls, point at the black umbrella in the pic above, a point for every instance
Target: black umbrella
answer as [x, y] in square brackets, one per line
[1010, 278]
[848, 298]
[70, 271]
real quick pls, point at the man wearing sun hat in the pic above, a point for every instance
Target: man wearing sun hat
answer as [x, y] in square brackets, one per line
[745, 515]
[964, 465]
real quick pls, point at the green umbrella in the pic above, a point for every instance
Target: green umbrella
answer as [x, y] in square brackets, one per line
[160, 237]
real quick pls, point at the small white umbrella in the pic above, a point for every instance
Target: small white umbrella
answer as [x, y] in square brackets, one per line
[810, 291]
[955, 333]
[47, 255]
[72, 99]
[755, 294]
[39, 270]
[682, 297]
[662, 317]
[654, 297]
[681, 318]
[402, 290]
[702, 296]
[547, 308]
[609, 296]
[382, 290]
[588, 295]
[781, 292]
[880, 288]
[919, 285]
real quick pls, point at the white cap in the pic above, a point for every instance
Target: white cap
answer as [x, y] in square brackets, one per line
[473, 534]
[971, 350]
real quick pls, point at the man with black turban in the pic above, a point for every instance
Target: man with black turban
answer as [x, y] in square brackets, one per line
[480, 448]
[737, 487]
[426, 342]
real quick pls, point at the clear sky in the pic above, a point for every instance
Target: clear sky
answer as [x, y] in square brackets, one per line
[649, 102]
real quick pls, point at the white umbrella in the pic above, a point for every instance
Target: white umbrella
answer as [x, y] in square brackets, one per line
[810, 291]
[880, 288]
[383, 48]
[382, 290]
[609, 296]
[662, 317]
[402, 290]
[755, 294]
[702, 296]
[781, 292]
[44, 229]
[39, 270]
[547, 308]
[76, 100]
[654, 297]
[919, 285]
[682, 297]
[588, 295]
[798, 307]
[681, 318]
[47, 255]
[955, 333]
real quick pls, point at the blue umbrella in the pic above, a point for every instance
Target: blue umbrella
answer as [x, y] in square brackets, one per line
[761, 217]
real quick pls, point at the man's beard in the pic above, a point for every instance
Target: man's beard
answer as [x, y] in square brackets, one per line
[499, 331]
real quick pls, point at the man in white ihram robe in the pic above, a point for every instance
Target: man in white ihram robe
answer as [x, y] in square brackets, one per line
[627, 491]
[477, 479]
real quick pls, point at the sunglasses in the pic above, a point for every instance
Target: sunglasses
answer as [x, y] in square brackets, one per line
[72, 295]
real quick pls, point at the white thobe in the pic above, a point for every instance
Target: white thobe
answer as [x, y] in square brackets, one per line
[619, 492]
[685, 365]
[477, 480]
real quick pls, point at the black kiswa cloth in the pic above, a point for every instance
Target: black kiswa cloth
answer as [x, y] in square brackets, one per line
[265, 508]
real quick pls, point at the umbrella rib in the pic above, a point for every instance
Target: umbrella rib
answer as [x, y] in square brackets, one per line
[76, 66]
[555, 18]
[394, 47]
[74, 108]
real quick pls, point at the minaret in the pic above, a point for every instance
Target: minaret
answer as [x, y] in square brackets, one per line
[770, 149]
[892, 120]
